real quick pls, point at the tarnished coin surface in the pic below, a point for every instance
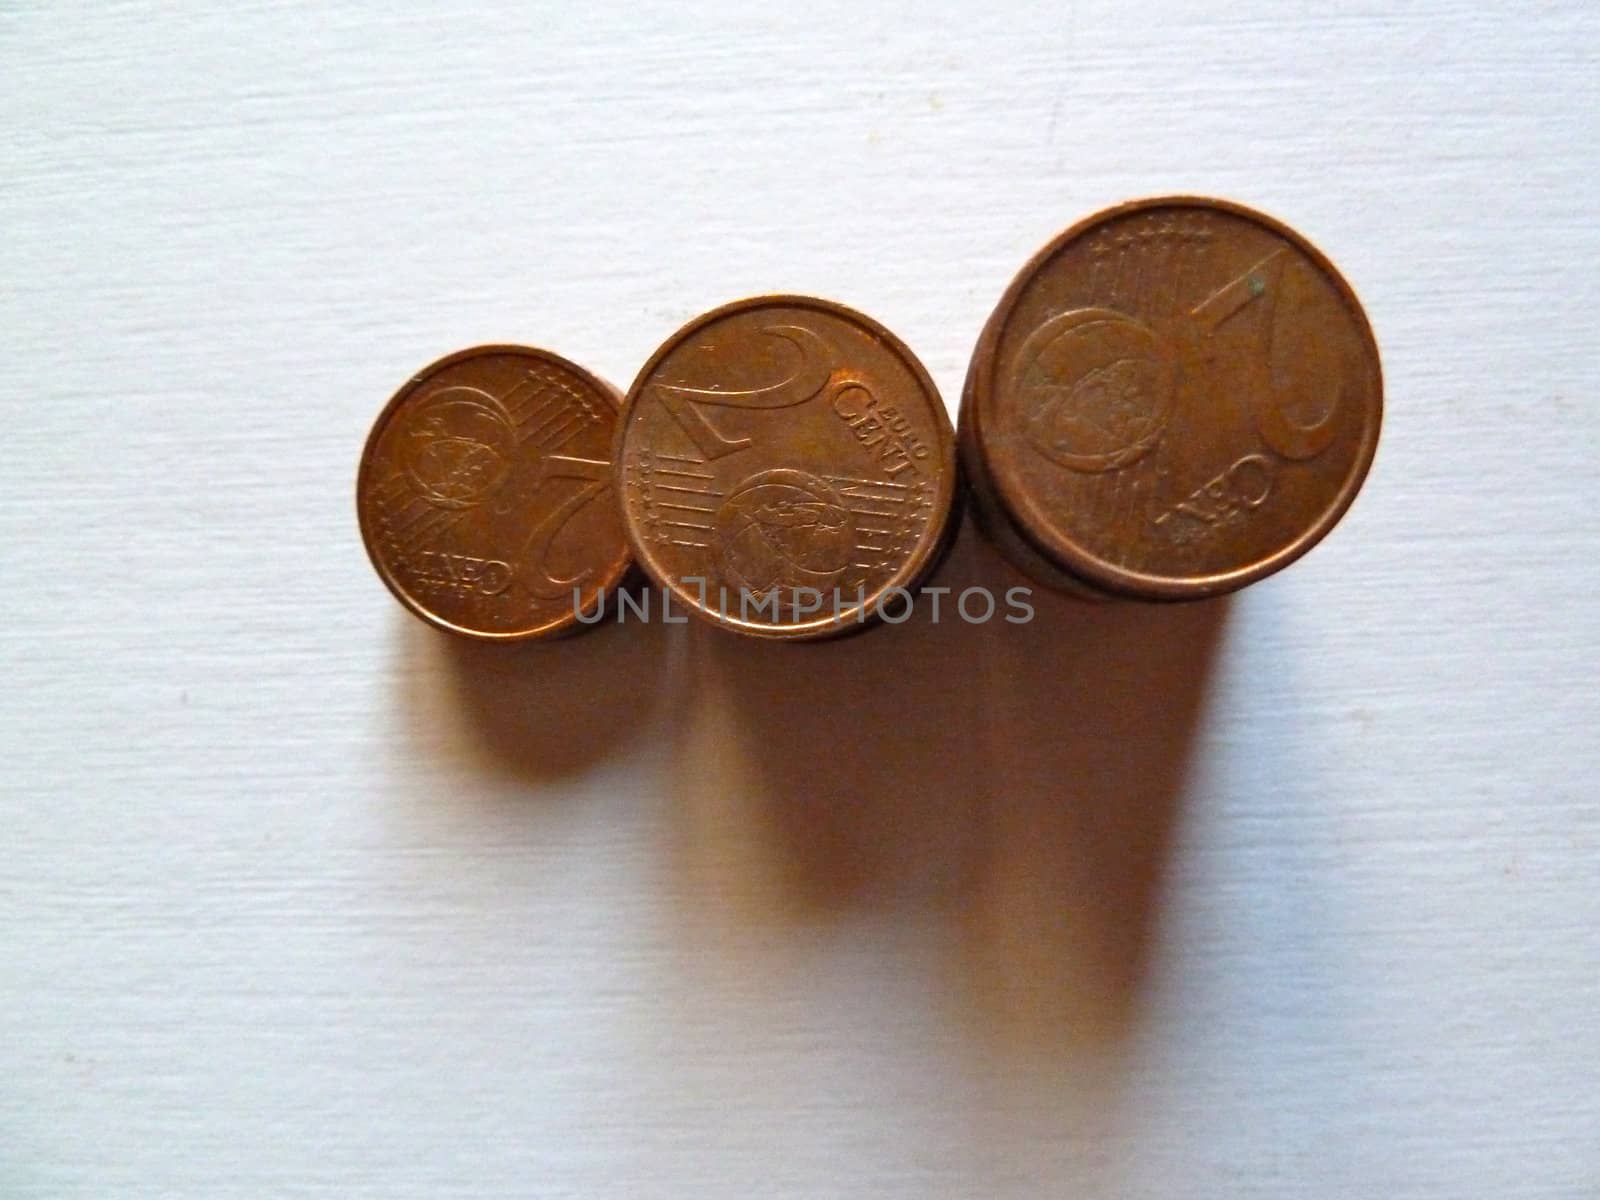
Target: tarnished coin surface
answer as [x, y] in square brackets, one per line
[786, 466]
[485, 494]
[1175, 398]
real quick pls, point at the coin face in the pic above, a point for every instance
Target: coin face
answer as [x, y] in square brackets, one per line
[786, 463]
[485, 495]
[1175, 398]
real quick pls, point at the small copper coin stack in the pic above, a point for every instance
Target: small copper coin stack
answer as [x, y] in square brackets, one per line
[1174, 399]
[485, 495]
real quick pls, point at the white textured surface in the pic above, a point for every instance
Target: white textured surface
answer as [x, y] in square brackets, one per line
[296, 899]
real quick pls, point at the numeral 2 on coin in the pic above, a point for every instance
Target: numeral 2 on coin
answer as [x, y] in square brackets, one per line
[810, 375]
[592, 476]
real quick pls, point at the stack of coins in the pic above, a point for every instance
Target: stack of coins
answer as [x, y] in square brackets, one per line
[485, 494]
[1174, 398]
[786, 463]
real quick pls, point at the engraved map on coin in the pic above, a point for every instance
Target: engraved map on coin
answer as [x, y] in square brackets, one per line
[485, 494]
[1176, 397]
[458, 446]
[1096, 389]
[785, 529]
[785, 461]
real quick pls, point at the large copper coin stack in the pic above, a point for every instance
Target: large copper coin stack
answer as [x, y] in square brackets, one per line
[1174, 399]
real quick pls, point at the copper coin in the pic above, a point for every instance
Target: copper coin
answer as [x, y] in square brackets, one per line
[485, 495]
[1003, 533]
[1175, 398]
[786, 466]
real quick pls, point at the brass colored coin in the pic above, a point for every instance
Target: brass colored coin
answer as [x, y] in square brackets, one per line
[485, 495]
[1174, 399]
[786, 464]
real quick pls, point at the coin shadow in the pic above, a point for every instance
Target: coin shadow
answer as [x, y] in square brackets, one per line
[1022, 778]
[1091, 718]
[537, 712]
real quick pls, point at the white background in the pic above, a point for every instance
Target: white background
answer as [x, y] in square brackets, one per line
[298, 898]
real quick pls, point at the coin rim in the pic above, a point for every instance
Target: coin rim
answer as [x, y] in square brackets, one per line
[1005, 535]
[913, 573]
[564, 624]
[1076, 559]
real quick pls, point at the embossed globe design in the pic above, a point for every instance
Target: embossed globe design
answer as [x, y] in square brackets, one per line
[785, 529]
[457, 447]
[1096, 389]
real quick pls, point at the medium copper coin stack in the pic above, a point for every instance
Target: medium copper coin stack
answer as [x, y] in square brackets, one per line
[785, 464]
[1174, 398]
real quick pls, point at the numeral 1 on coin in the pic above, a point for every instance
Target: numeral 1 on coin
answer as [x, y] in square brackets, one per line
[1287, 377]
